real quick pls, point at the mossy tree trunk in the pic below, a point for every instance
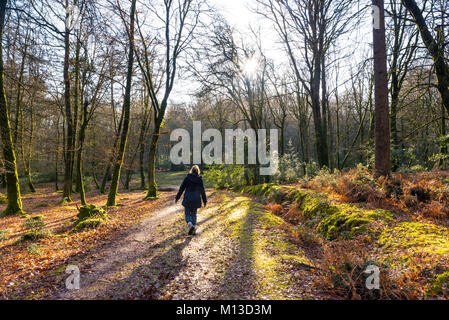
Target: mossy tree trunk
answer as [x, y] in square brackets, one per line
[126, 111]
[69, 136]
[12, 180]
[152, 186]
[79, 161]
[113, 154]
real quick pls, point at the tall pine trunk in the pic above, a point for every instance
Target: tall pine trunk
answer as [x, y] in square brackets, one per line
[381, 109]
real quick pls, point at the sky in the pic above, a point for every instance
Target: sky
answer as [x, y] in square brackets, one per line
[239, 15]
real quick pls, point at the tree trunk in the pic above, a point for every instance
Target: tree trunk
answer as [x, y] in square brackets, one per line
[321, 136]
[382, 123]
[57, 157]
[76, 107]
[79, 164]
[443, 147]
[435, 49]
[126, 111]
[79, 161]
[67, 191]
[30, 151]
[141, 165]
[152, 186]
[12, 180]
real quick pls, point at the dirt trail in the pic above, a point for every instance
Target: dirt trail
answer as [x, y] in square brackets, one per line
[239, 252]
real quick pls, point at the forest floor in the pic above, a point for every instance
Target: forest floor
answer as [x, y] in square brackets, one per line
[309, 241]
[240, 251]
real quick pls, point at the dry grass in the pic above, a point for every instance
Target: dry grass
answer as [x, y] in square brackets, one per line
[425, 194]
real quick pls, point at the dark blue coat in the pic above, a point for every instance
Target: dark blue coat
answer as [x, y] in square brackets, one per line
[194, 191]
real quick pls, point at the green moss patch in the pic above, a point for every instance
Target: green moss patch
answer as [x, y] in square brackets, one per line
[331, 221]
[89, 224]
[346, 221]
[90, 217]
[413, 237]
[91, 211]
[440, 285]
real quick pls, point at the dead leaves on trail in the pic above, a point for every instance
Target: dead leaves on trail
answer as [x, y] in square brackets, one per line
[23, 261]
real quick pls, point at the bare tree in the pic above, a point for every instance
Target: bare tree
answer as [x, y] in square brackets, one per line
[180, 20]
[311, 26]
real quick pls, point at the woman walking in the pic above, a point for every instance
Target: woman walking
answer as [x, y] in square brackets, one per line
[194, 191]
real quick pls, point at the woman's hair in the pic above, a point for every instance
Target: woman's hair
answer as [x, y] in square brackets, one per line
[195, 169]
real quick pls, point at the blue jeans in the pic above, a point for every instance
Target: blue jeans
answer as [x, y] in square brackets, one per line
[191, 215]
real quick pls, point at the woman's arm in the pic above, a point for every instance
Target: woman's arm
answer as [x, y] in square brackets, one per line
[203, 193]
[181, 189]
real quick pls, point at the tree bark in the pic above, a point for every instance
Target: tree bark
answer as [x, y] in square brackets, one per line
[152, 186]
[12, 180]
[126, 111]
[382, 121]
[67, 191]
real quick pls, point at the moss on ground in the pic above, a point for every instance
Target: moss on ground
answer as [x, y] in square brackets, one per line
[396, 242]
[90, 217]
[331, 221]
[346, 221]
[440, 285]
[407, 238]
[89, 224]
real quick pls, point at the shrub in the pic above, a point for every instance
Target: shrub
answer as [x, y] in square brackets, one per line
[36, 222]
[36, 229]
[292, 169]
[362, 187]
[3, 199]
[3, 234]
[88, 184]
[274, 208]
[325, 178]
[34, 235]
[89, 223]
[346, 267]
[226, 176]
[34, 249]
